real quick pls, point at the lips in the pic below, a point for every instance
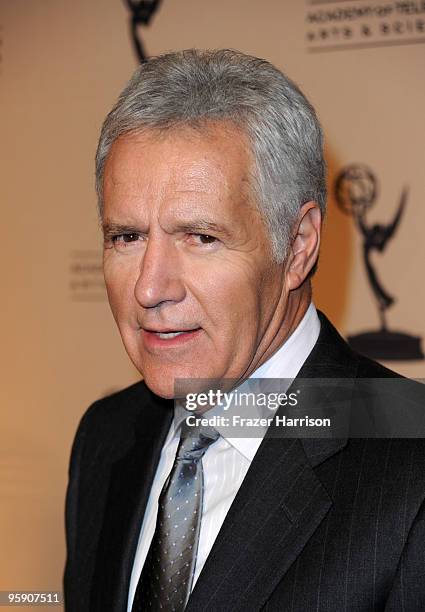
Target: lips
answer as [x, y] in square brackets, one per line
[166, 337]
[169, 330]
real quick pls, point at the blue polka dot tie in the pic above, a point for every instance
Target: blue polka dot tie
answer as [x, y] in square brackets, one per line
[167, 575]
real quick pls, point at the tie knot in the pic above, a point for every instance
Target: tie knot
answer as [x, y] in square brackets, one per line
[194, 441]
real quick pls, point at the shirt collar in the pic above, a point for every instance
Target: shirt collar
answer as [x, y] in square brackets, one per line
[285, 363]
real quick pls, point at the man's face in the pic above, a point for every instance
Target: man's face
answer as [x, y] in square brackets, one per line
[187, 265]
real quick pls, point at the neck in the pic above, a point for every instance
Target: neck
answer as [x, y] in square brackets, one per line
[285, 321]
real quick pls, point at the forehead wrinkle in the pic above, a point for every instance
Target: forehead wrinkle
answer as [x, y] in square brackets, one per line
[198, 176]
[195, 179]
[131, 198]
[187, 175]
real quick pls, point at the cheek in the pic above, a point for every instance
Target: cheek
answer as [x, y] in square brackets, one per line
[244, 302]
[230, 302]
[120, 279]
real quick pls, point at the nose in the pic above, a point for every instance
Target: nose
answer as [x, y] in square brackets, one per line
[160, 278]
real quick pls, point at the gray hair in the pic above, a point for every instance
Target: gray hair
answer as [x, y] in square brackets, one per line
[193, 86]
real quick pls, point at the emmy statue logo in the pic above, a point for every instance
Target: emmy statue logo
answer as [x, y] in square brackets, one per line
[141, 12]
[356, 190]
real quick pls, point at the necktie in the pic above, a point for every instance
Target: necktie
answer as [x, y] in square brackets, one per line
[167, 575]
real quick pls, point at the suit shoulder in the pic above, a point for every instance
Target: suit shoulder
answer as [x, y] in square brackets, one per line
[110, 420]
[368, 368]
[107, 427]
[113, 408]
[332, 353]
[113, 420]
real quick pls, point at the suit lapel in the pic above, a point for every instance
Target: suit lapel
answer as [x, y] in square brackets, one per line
[279, 506]
[277, 509]
[130, 482]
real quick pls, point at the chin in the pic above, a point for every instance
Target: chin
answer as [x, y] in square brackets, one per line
[170, 388]
[171, 383]
[161, 388]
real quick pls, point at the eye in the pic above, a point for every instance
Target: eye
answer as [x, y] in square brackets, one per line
[125, 238]
[122, 241]
[204, 238]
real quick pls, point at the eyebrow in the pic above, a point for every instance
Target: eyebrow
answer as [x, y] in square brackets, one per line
[203, 226]
[110, 229]
[198, 226]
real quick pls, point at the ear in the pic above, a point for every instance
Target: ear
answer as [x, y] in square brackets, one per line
[305, 244]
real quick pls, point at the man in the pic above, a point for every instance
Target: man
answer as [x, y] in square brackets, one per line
[211, 185]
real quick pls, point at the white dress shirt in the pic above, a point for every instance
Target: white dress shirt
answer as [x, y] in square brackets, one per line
[226, 462]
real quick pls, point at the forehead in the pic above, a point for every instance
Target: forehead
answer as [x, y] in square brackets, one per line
[212, 158]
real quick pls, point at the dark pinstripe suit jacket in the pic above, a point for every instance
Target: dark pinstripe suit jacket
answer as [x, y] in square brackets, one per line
[317, 525]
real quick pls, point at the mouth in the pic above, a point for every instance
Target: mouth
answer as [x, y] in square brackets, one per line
[169, 337]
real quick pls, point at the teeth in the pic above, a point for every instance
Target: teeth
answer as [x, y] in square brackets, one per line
[169, 334]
